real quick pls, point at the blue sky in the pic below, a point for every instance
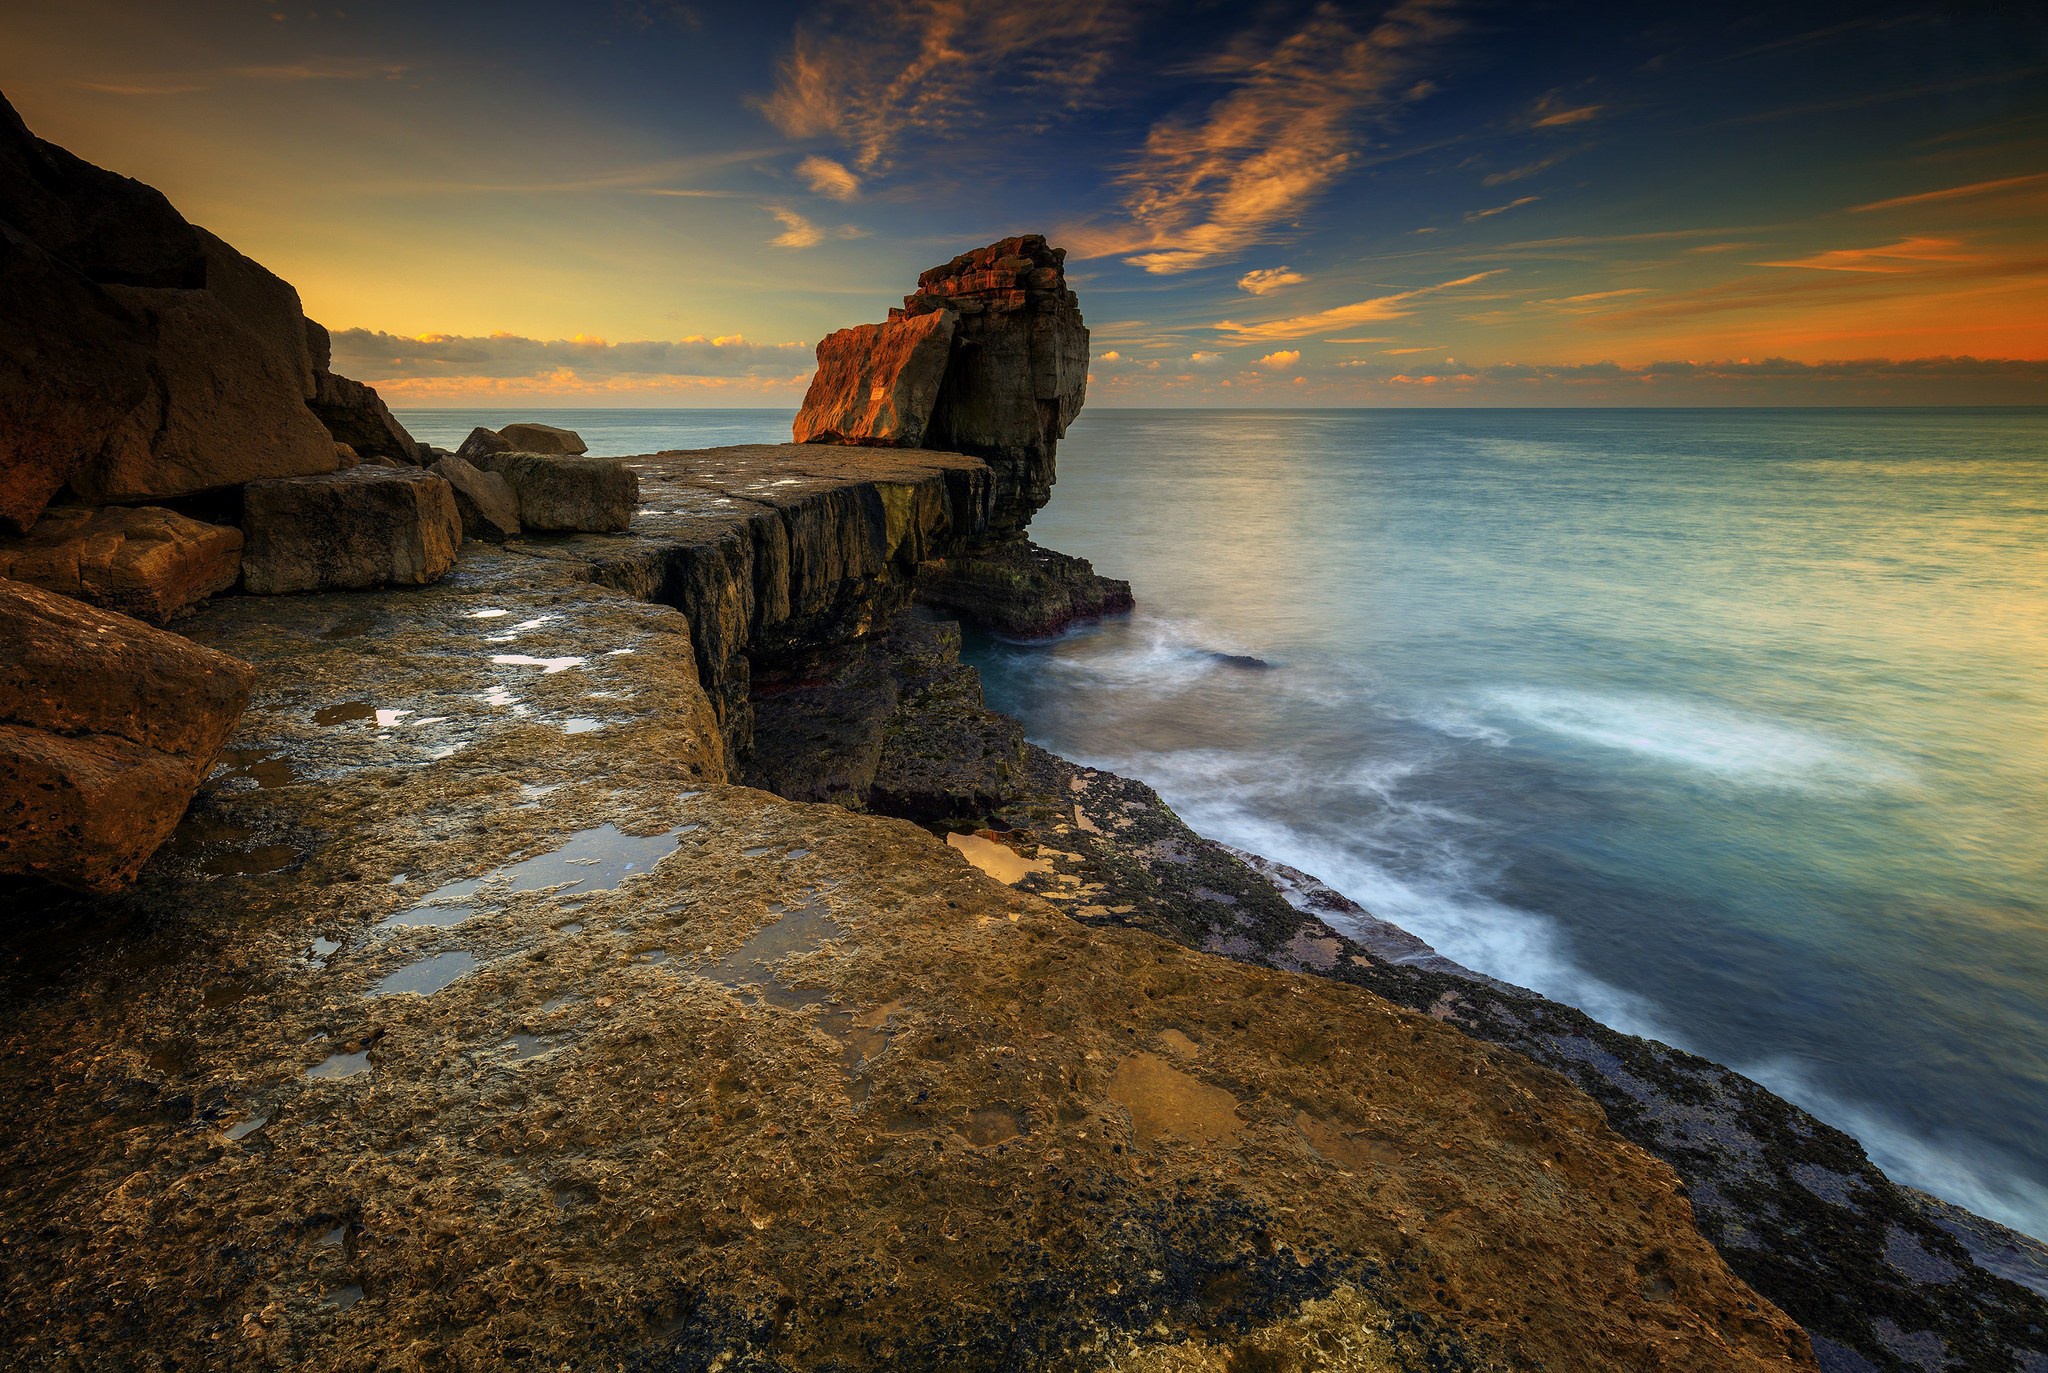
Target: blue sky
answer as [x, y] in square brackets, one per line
[1287, 203]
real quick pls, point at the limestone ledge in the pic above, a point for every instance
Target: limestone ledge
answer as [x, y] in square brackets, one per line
[472, 1020]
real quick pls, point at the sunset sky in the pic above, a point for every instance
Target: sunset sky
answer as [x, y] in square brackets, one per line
[632, 202]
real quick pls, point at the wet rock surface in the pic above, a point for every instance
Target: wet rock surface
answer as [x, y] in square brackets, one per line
[1795, 1207]
[368, 526]
[142, 561]
[473, 1020]
[107, 727]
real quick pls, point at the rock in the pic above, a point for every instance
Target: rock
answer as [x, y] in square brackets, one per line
[489, 509]
[562, 494]
[1017, 588]
[145, 562]
[542, 438]
[481, 443]
[356, 416]
[107, 727]
[74, 362]
[877, 383]
[368, 526]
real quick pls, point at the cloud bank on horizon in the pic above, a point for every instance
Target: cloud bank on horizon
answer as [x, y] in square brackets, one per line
[1302, 202]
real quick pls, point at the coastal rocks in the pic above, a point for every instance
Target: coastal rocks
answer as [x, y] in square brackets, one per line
[368, 526]
[352, 412]
[877, 383]
[481, 443]
[1019, 589]
[145, 562]
[489, 509]
[567, 494]
[1015, 375]
[107, 727]
[543, 438]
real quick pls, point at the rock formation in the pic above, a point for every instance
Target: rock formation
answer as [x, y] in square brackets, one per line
[542, 438]
[877, 383]
[489, 508]
[562, 493]
[107, 727]
[141, 358]
[141, 561]
[367, 526]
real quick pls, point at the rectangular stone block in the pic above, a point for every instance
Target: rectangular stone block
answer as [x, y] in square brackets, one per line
[345, 531]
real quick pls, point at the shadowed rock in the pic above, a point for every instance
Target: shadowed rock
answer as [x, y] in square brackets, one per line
[489, 509]
[144, 562]
[481, 443]
[877, 383]
[368, 526]
[354, 413]
[1021, 590]
[565, 493]
[107, 727]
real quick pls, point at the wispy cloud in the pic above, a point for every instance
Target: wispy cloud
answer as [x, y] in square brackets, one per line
[1557, 119]
[1526, 170]
[1266, 279]
[828, 178]
[380, 358]
[1210, 188]
[1475, 216]
[1975, 188]
[872, 75]
[1907, 255]
[799, 232]
[1394, 306]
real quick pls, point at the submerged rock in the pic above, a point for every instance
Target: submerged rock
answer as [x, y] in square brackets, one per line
[107, 727]
[542, 438]
[368, 526]
[877, 383]
[141, 561]
[489, 509]
[567, 494]
[1019, 589]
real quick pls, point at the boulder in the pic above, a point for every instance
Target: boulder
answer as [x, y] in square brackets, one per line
[876, 383]
[482, 443]
[368, 526]
[542, 438]
[489, 509]
[355, 415]
[107, 727]
[74, 363]
[145, 562]
[568, 494]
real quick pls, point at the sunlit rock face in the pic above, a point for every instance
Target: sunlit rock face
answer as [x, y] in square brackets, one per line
[1014, 374]
[141, 357]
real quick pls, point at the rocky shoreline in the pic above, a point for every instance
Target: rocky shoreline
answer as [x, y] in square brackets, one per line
[579, 912]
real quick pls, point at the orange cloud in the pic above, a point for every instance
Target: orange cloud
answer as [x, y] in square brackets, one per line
[1266, 279]
[1559, 118]
[1281, 360]
[1907, 255]
[828, 178]
[1975, 188]
[1476, 215]
[1379, 307]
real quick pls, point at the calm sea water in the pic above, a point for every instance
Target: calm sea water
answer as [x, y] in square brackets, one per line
[1730, 727]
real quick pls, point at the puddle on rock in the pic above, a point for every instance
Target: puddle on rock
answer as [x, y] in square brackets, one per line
[387, 718]
[324, 948]
[242, 1129]
[251, 862]
[752, 964]
[346, 713]
[999, 861]
[593, 860]
[267, 768]
[519, 1048]
[548, 666]
[340, 1065]
[342, 1298]
[425, 977]
[756, 851]
[581, 724]
[486, 614]
[427, 917]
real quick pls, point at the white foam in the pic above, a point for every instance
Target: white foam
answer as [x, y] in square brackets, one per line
[1698, 736]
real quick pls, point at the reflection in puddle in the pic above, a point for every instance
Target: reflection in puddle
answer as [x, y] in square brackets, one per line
[387, 718]
[485, 614]
[262, 766]
[251, 862]
[344, 713]
[324, 949]
[593, 860]
[340, 1065]
[427, 917]
[242, 1129]
[756, 851]
[548, 666]
[425, 977]
[999, 861]
[752, 963]
[342, 1298]
[519, 1048]
[581, 724]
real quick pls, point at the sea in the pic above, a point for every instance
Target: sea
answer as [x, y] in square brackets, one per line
[1729, 727]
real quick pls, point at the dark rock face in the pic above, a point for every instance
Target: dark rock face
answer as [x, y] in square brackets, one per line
[107, 727]
[141, 561]
[566, 494]
[543, 438]
[1015, 374]
[489, 509]
[141, 358]
[368, 526]
[877, 383]
[481, 443]
[1021, 590]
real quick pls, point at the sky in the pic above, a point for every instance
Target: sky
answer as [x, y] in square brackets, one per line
[1433, 202]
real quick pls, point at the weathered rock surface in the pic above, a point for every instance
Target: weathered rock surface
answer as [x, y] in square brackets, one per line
[877, 383]
[107, 727]
[1019, 589]
[481, 443]
[141, 561]
[692, 1075]
[543, 438]
[489, 509]
[1793, 1205]
[352, 412]
[567, 494]
[368, 526]
[141, 358]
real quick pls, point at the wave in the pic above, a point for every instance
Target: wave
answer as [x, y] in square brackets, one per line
[1696, 736]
